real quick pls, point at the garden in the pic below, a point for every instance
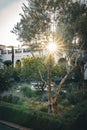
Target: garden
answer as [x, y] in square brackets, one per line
[47, 90]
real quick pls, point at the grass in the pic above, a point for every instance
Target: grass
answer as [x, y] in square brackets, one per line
[22, 94]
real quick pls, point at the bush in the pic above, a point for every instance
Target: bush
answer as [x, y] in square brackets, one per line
[76, 97]
[44, 108]
[75, 119]
[44, 97]
[29, 118]
[5, 82]
[12, 97]
[28, 92]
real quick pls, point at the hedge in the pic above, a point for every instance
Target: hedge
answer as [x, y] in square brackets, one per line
[29, 118]
[76, 119]
[72, 120]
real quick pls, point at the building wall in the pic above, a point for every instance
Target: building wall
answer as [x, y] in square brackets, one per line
[19, 54]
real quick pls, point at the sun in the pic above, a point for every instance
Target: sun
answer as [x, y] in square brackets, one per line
[52, 47]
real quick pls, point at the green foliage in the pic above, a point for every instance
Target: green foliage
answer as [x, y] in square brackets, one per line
[70, 18]
[10, 98]
[44, 97]
[17, 71]
[7, 76]
[33, 119]
[31, 68]
[71, 120]
[75, 22]
[76, 97]
[16, 76]
[71, 22]
[5, 82]
[77, 117]
[35, 68]
[28, 92]
[59, 69]
[35, 20]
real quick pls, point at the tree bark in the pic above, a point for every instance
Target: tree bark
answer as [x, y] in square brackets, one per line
[12, 56]
[54, 100]
[49, 85]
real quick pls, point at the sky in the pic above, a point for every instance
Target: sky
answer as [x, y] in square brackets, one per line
[9, 16]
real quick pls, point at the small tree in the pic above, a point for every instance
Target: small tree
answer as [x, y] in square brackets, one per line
[32, 68]
[36, 27]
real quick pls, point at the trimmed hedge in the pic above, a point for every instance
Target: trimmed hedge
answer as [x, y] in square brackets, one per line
[29, 118]
[72, 120]
[76, 119]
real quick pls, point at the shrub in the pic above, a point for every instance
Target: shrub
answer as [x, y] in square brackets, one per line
[33, 119]
[11, 97]
[28, 92]
[5, 82]
[44, 97]
[75, 119]
[76, 97]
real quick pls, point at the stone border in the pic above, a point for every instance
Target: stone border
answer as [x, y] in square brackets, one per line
[14, 125]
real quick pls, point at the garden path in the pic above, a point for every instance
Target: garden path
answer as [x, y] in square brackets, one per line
[14, 125]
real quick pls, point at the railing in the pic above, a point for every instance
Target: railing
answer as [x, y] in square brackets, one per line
[15, 51]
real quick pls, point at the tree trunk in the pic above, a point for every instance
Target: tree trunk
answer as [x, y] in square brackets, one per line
[49, 85]
[12, 56]
[54, 100]
[54, 105]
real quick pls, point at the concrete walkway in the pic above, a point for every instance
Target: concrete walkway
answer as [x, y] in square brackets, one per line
[14, 125]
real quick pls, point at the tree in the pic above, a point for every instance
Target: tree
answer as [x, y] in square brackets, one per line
[33, 69]
[75, 23]
[37, 25]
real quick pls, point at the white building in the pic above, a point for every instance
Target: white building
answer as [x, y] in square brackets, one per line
[19, 53]
[23, 52]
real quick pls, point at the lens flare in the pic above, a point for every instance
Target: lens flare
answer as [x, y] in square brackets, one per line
[51, 47]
